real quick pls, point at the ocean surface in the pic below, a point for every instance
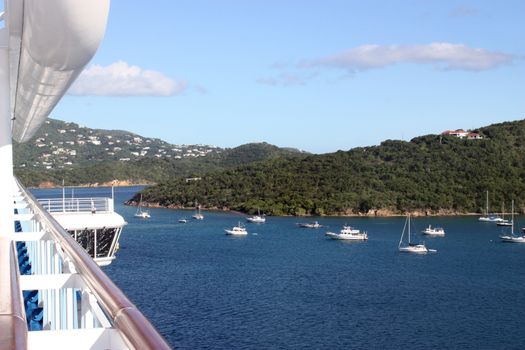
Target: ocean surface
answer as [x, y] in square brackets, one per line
[286, 287]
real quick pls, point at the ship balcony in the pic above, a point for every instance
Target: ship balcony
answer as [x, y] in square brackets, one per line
[92, 222]
[55, 296]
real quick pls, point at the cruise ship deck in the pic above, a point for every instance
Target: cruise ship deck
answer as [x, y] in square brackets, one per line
[52, 293]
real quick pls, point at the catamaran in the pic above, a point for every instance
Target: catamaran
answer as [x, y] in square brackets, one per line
[512, 238]
[487, 217]
[410, 247]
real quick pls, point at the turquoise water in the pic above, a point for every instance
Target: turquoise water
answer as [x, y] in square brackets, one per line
[285, 287]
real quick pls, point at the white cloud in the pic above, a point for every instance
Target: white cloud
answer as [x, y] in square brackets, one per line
[441, 55]
[121, 79]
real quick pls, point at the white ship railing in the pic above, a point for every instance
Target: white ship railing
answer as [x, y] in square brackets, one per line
[70, 205]
[82, 307]
[13, 334]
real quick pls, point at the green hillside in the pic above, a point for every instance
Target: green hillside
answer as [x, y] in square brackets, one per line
[432, 174]
[80, 155]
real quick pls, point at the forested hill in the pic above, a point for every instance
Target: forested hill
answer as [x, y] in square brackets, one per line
[80, 155]
[433, 174]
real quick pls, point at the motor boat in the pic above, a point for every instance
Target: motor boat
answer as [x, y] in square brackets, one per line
[434, 231]
[348, 233]
[314, 224]
[238, 230]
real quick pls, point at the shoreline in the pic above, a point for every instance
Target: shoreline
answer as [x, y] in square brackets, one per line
[372, 214]
[114, 183]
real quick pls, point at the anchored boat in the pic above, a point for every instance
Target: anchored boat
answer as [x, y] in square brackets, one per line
[512, 238]
[434, 231]
[348, 233]
[409, 246]
[238, 230]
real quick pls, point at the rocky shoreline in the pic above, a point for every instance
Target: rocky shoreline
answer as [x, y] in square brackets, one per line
[371, 213]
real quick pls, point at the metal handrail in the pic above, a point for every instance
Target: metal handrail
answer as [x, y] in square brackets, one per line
[125, 316]
[12, 313]
[66, 205]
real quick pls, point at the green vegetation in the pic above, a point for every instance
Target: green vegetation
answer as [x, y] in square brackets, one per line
[430, 173]
[80, 155]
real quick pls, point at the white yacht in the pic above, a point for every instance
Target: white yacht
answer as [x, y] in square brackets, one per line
[348, 233]
[183, 221]
[434, 231]
[256, 219]
[314, 224]
[487, 217]
[410, 247]
[238, 230]
[143, 214]
[512, 238]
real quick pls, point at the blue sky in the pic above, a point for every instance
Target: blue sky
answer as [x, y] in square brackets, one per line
[317, 75]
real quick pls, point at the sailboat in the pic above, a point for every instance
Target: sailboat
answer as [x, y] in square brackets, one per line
[512, 238]
[143, 214]
[503, 221]
[257, 219]
[487, 217]
[410, 247]
[198, 215]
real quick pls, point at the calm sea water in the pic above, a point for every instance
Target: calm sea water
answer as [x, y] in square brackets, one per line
[284, 287]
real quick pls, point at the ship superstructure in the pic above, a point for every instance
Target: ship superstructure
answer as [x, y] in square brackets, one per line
[91, 221]
[52, 293]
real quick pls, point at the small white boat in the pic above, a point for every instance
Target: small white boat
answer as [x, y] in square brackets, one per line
[434, 231]
[410, 247]
[512, 238]
[504, 223]
[238, 230]
[314, 224]
[183, 221]
[198, 215]
[143, 214]
[256, 219]
[487, 217]
[491, 218]
[348, 233]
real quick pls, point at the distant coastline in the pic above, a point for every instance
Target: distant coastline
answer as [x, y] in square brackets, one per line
[377, 213]
[114, 183]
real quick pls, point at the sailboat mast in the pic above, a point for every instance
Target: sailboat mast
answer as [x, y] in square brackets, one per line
[487, 205]
[409, 229]
[512, 221]
[402, 233]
